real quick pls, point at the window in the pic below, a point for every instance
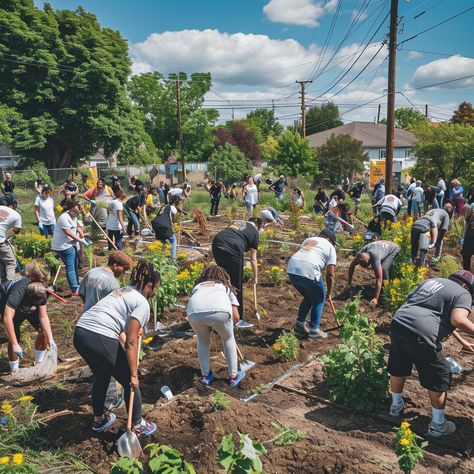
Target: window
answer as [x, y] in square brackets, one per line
[383, 154]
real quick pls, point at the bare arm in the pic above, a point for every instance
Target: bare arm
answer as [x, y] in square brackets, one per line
[44, 322]
[465, 344]
[16, 230]
[459, 319]
[378, 284]
[120, 219]
[350, 274]
[71, 235]
[253, 263]
[8, 316]
[235, 314]
[37, 213]
[330, 270]
[131, 349]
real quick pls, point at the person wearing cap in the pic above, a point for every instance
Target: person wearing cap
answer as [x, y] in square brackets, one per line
[432, 312]
[380, 255]
[389, 207]
[305, 271]
[270, 215]
[10, 220]
[436, 222]
[278, 187]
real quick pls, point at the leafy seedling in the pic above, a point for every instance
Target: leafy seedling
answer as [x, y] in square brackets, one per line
[287, 436]
[245, 459]
[220, 401]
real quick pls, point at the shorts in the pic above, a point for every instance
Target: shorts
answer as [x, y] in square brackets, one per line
[19, 318]
[407, 349]
[387, 216]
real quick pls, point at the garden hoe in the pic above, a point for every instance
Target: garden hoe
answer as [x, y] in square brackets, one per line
[128, 444]
[245, 364]
[333, 311]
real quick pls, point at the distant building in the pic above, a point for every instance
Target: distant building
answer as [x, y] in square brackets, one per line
[8, 159]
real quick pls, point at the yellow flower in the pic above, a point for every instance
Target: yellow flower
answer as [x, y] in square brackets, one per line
[59, 208]
[276, 269]
[404, 442]
[405, 425]
[184, 275]
[18, 458]
[147, 340]
[4, 460]
[155, 246]
[358, 238]
[397, 240]
[396, 281]
[25, 398]
[276, 346]
[6, 407]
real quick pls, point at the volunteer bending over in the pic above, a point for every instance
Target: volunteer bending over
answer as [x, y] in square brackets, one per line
[163, 224]
[431, 313]
[380, 255]
[305, 270]
[106, 337]
[213, 306]
[270, 215]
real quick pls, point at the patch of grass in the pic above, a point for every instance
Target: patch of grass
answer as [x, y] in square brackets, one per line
[448, 265]
[220, 401]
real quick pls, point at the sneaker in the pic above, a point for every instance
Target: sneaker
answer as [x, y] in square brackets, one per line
[235, 380]
[208, 379]
[397, 410]
[144, 428]
[318, 334]
[118, 402]
[301, 329]
[107, 421]
[244, 325]
[436, 430]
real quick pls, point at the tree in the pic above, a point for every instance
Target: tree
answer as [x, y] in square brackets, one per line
[446, 149]
[156, 99]
[464, 115]
[269, 148]
[322, 117]
[65, 82]
[239, 134]
[294, 156]
[229, 164]
[407, 118]
[339, 156]
[264, 121]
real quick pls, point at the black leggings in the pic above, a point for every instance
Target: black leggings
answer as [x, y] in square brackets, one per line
[467, 251]
[234, 266]
[214, 206]
[106, 358]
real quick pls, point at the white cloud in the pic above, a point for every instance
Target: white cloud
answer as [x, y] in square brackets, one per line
[445, 69]
[297, 12]
[413, 55]
[233, 59]
[358, 16]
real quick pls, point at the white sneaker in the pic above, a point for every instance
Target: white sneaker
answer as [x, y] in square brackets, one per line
[436, 430]
[318, 334]
[397, 410]
[244, 325]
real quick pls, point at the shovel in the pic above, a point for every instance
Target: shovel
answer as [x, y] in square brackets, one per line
[333, 311]
[128, 444]
[245, 364]
[257, 314]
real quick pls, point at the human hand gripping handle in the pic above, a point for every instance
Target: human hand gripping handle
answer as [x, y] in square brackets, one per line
[85, 242]
[18, 350]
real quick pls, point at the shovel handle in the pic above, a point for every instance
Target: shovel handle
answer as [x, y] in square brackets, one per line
[241, 357]
[255, 296]
[57, 275]
[103, 231]
[132, 390]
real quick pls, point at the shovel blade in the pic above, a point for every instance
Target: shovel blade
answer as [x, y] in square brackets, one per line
[257, 315]
[129, 446]
[246, 365]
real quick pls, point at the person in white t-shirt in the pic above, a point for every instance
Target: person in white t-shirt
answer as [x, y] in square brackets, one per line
[416, 199]
[305, 271]
[64, 241]
[213, 306]
[44, 210]
[10, 220]
[115, 225]
[441, 191]
[389, 207]
[250, 195]
[106, 336]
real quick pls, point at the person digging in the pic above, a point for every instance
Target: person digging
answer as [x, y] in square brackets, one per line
[432, 312]
[163, 224]
[380, 255]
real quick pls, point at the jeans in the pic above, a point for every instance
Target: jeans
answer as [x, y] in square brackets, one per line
[116, 236]
[174, 244]
[106, 358]
[133, 223]
[215, 206]
[221, 322]
[279, 196]
[440, 200]
[69, 258]
[46, 229]
[250, 207]
[314, 295]
[415, 207]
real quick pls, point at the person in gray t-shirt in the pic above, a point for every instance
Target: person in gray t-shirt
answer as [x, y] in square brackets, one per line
[431, 313]
[380, 255]
[436, 222]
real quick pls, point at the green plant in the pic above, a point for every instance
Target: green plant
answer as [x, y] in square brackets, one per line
[16, 465]
[294, 216]
[68, 328]
[286, 347]
[287, 436]
[126, 466]
[32, 245]
[358, 243]
[449, 265]
[400, 233]
[456, 229]
[398, 289]
[220, 401]
[285, 247]
[245, 459]
[187, 278]
[355, 370]
[276, 275]
[406, 446]
[248, 273]
[260, 388]
[52, 262]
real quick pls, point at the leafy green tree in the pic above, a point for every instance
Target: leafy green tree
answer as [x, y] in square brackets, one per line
[340, 155]
[228, 163]
[407, 118]
[294, 156]
[265, 122]
[6, 117]
[65, 80]
[446, 149]
[269, 148]
[156, 100]
[322, 117]
[464, 115]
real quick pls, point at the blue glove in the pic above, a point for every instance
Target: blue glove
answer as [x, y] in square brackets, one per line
[86, 243]
[41, 228]
[462, 242]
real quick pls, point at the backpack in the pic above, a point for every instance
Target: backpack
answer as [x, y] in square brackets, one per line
[162, 224]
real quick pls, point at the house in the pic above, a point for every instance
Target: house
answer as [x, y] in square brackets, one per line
[373, 137]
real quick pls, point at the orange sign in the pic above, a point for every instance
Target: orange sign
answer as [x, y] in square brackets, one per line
[377, 171]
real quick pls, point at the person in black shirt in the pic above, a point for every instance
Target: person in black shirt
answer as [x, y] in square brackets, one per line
[341, 195]
[216, 192]
[430, 198]
[133, 207]
[320, 201]
[228, 249]
[355, 193]
[278, 187]
[8, 184]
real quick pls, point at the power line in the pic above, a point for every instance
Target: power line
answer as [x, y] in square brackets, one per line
[438, 53]
[438, 83]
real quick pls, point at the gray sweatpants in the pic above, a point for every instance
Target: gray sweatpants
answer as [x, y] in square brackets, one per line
[7, 262]
[202, 324]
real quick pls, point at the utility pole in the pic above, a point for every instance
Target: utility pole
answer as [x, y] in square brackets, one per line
[426, 110]
[303, 107]
[378, 113]
[392, 59]
[180, 125]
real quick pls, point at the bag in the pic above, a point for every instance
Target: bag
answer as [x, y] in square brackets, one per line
[162, 224]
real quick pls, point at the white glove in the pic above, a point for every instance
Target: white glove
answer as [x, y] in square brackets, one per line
[53, 346]
[85, 242]
[431, 245]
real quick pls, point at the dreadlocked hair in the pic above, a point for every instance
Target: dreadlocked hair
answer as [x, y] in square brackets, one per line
[143, 274]
[216, 274]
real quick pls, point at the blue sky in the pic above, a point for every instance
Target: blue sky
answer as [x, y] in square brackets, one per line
[256, 49]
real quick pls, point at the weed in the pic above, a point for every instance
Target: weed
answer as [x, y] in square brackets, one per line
[285, 247]
[260, 388]
[287, 436]
[244, 459]
[448, 265]
[286, 347]
[220, 401]
[68, 329]
[407, 448]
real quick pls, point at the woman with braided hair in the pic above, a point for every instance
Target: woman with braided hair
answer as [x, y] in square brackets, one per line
[213, 306]
[106, 336]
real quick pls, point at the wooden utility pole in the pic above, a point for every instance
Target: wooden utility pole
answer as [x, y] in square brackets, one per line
[392, 59]
[378, 113]
[426, 110]
[303, 106]
[180, 125]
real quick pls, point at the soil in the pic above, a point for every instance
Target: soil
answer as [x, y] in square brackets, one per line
[338, 440]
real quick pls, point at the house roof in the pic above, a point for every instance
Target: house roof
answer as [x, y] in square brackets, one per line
[372, 135]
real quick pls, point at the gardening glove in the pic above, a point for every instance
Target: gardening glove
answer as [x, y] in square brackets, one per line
[462, 242]
[18, 350]
[85, 242]
[431, 245]
[52, 345]
[40, 227]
